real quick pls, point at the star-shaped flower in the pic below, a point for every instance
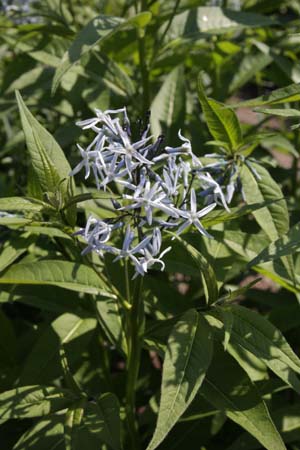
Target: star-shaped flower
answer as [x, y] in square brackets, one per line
[192, 216]
[149, 198]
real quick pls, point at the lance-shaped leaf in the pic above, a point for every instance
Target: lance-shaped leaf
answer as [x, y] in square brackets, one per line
[42, 363]
[65, 274]
[102, 419]
[288, 244]
[220, 215]
[259, 186]
[197, 22]
[49, 163]
[247, 68]
[287, 420]
[290, 93]
[228, 388]
[207, 273]
[188, 355]
[49, 431]
[94, 423]
[168, 107]
[223, 123]
[33, 401]
[286, 112]
[13, 249]
[257, 335]
[95, 32]
[24, 204]
[110, 316]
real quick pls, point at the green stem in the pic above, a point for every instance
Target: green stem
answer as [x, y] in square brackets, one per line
[143, 63]
[127, 282]
[135, 336]
[161, 40]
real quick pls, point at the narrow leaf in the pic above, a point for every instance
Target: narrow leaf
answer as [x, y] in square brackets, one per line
[206, 271]
[223, 123]
[228, 388]
[257, 335]
[188, 355]
[168, 107]
[42, 363]
[49, 163]
[290, 93]
[49, 431]
[65, 274]
[24, 204]
[95, 32]
[196, 22]
[288, 244]
[33, 401]
[273, 219]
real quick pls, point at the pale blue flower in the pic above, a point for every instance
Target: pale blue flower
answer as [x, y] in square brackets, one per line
[192, 216]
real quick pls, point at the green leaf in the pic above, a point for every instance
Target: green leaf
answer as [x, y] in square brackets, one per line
[110, 316]
[24, 204]
[13, 249]
[188, 355]
[71, 383]
[14, 221]
[220, 216]
[168, 107]
[68, 275]
[286, 112]
[94, 423]
[72, 426]
[290, 93]
[289, 244]
[273, 219]
[8, 352]
[287, 420]
[290, 68]
[228, 319]
[95, 32]
[279, 143]
[248, 67]
[33, 401]
[196, 22]
[228, 388]
[207, 273]
[47, 434]
[42, 363]
[48, 160]
[103, 420]
[90, 196]
[223, 123]
[257, 335]
[232, 295]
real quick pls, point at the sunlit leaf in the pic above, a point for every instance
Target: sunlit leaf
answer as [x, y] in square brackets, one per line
[95, 32]
[222, 123]
[65, 274]
[168, 107]
[228, 388]
[33, 401]
[188, 355]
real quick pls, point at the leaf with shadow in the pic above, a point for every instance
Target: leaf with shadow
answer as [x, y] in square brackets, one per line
[228, 388]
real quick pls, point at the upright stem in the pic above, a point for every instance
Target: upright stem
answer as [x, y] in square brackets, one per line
[161, 40]
[143, 63]
[135, 330]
